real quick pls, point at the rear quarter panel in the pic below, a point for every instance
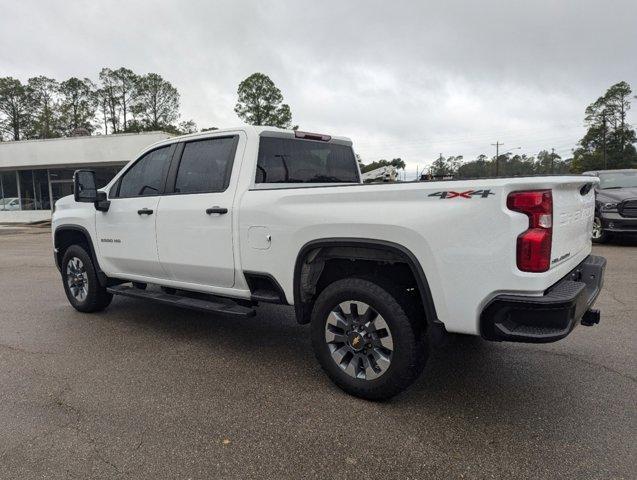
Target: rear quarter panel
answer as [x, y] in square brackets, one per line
[466, 246]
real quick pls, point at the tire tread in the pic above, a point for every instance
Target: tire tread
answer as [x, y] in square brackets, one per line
[414, 352]
[98, 298]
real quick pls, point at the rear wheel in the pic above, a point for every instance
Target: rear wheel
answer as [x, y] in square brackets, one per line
[599, 235]
[365, 340]
[81, 284]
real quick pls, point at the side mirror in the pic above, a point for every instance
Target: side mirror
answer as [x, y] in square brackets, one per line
[84, 188]
[85, 191]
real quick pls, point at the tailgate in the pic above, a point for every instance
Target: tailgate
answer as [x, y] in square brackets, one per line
[573, 212]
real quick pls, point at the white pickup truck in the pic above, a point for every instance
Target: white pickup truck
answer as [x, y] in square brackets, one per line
[220, 221]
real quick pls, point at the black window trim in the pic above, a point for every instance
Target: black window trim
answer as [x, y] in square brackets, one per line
[171, 178]
[118, 182]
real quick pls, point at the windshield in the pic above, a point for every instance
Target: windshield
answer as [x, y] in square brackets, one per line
[617, 180]
[283, 160]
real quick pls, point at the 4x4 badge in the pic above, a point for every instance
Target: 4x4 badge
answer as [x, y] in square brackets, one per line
[467, 194]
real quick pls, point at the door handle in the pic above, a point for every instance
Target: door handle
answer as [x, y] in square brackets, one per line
[145, 211]
[219, 210]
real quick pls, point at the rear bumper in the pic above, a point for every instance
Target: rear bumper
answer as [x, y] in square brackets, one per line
[551, 317]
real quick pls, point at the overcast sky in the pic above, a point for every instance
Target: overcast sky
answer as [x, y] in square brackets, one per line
[407, 79]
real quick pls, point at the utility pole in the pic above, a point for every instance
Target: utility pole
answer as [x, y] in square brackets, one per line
[497, 146]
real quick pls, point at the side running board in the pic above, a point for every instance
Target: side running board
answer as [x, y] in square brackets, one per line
[223, 306]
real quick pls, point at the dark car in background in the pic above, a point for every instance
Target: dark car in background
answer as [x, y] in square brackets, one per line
[615, 203]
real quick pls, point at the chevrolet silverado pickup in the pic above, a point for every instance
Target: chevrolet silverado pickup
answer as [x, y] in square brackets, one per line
[221, 221]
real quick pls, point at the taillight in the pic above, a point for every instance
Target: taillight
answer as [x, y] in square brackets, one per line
[534, 245]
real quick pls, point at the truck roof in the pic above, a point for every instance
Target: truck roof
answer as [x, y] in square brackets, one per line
[251, 130]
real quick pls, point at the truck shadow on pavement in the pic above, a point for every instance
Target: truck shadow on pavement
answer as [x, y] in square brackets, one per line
[506, 382]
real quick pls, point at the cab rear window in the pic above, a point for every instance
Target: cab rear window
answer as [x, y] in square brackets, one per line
[286, 160]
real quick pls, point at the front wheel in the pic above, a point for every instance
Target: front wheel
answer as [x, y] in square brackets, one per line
[365, 340]
[81, 285]
[598, 235]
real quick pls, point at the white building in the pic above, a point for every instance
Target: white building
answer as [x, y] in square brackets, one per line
[36, 173]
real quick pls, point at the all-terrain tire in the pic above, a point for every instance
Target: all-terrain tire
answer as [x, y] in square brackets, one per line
[408, 352]
[86, 294]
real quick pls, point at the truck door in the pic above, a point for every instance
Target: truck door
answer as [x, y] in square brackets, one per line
[126, 232]
[194, 221]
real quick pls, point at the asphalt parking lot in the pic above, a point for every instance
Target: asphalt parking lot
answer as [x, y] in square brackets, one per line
[145, 391]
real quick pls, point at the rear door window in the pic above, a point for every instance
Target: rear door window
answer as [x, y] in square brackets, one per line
[206, 165]
[287, 160]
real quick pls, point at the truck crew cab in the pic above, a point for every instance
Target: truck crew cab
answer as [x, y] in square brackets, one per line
[220, 221]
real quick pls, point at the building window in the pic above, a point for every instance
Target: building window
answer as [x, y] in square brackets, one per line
[61, 174]
[103, 175]
[34, 190]
[61, 183]
[41, 186]
[9, 199]
[40, 189]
